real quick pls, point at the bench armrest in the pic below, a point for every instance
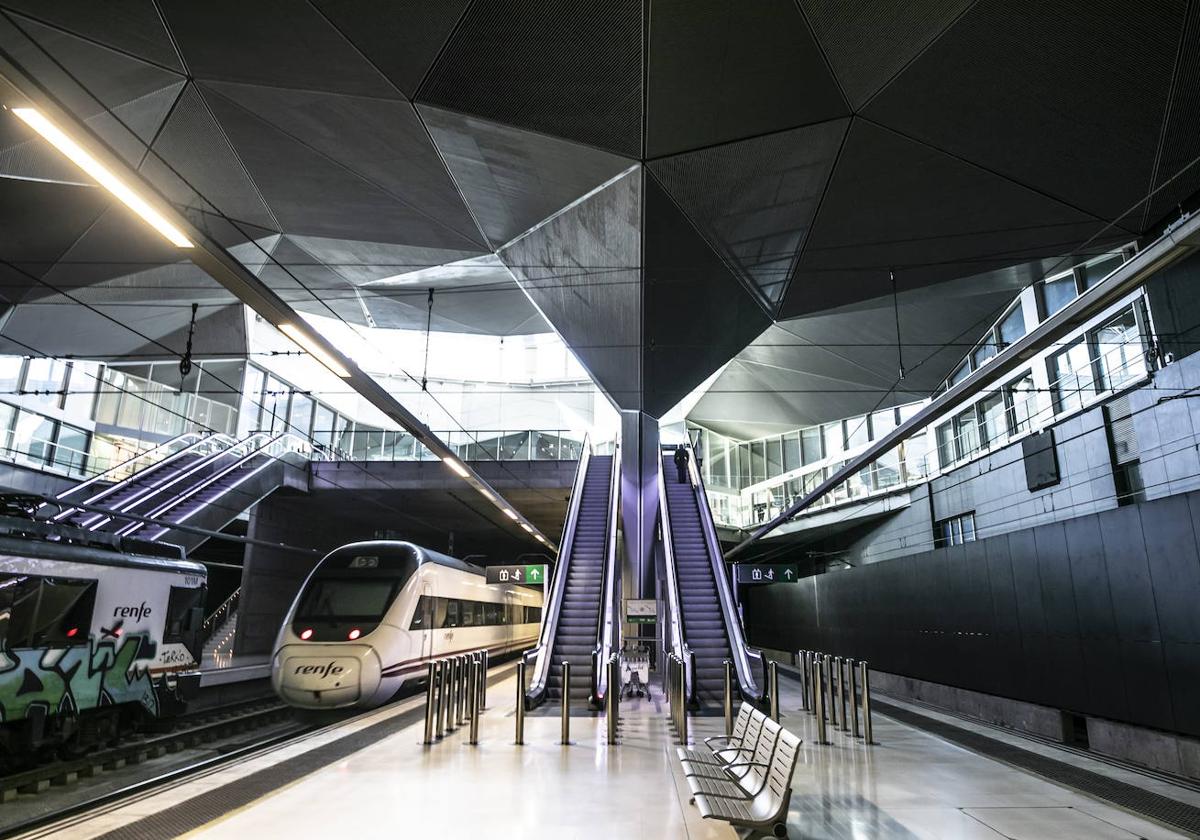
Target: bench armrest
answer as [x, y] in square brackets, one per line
[746, 764]
[729, 739]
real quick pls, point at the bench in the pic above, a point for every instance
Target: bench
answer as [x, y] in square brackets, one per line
[745, 778]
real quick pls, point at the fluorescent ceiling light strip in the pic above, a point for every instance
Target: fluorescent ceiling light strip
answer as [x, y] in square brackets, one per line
[510, 514]
[77, 155]
[528, 530]
[455, 465]
[315, 350]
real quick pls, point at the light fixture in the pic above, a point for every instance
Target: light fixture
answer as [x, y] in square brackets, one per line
[77, 155]
[526, 528]
[487, 494]
[453, 464]
[510, 514]
[539, 538]
[315, 350]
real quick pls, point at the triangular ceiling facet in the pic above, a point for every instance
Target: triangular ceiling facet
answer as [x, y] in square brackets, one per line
[132, 26]
[512, 179]
[754, 200]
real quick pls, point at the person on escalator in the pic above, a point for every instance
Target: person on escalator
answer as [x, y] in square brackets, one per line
[681, 464]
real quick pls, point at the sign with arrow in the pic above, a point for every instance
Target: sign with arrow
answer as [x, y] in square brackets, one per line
[767, 573]
[534, 575]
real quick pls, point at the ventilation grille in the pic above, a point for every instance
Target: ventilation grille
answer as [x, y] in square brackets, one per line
[1121, 431]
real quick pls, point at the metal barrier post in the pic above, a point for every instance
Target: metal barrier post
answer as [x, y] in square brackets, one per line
[773, 688]
[476, 677]
[483, 683]
[441, 697]
[803, 681]
[430, 702]
[728, 698]
[843, 691]
[460, 693]
[864, 673]
[819, 705]
[566, 703]
[853, 698]
[611, 700]
[451, 692]
[520, 739]
[683, 721]
[831, 675]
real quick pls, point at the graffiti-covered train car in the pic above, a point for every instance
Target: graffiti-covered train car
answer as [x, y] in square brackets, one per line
[92, 642]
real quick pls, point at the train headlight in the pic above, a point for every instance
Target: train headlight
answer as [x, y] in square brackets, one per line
[354, 634]
[306, 634]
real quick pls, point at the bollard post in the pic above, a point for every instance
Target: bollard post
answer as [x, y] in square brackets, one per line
[683, 721]
[476, 677]
[865, 678]
[483, 683]
[853, 698]
[819, 705]
[843, 691]
[803, 681]
[728, 698]
[520, 716]
[773, 688]
[441, 698]
[451, 691]
[460, 688]
[430, 702]
[831, 698]
[610, 702]
[566, 703]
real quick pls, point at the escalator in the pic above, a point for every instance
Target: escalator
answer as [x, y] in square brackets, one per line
[700, 596]
[577, 625]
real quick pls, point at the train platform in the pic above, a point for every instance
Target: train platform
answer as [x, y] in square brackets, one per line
[370, 777]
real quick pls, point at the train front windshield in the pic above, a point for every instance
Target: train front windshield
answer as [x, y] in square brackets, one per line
[346, 598]
[351, 591]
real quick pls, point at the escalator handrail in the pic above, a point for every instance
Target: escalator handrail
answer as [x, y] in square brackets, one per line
[185, 440]
[100, 519]
[552, 601]
[678, 644]
[252, 451]
[733, 622]
[608, 623]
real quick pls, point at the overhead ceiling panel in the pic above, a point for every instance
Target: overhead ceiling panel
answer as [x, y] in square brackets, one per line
[1065, 97]
[754, 200]
[896, 205]
[582, 269]
[271, 42]
[721, 71]
[511, 178]
[400, 37]
[132, 26]
[385, 263]
[869, 43]
[383, 143]
[573, 70]
[697, 315]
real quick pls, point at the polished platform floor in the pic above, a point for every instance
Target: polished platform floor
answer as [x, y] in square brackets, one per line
[379, 782]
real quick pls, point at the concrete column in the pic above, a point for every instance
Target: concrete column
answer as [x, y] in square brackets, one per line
[639, 499]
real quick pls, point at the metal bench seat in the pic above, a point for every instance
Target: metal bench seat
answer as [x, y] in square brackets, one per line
[738, 750]
[767, 809]
[741, 779]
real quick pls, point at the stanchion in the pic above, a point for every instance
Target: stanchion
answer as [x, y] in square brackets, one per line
[773, 688]
[843, 691]
[520, 715]
[483, 682]
[441, 697]
[853, 669]
[831, 698]
[566, 703]
[430, 702]
[683, 721]
[611, 698]
[460, 698]
[451, 692]
[819, 705]
[865, 677]
[803, 681]
[728, 698]
[473, 712]
[809, 695]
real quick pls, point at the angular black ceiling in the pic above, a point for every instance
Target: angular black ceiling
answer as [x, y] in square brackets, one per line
[792, 155]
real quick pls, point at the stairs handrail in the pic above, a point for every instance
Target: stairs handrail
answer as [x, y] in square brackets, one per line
[185, 440]
[742, 653]
[608, 625]
[554, 593]
[218, 616]
[99, 499]
[677, 640]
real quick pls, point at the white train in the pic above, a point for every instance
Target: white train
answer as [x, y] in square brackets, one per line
[372, 615]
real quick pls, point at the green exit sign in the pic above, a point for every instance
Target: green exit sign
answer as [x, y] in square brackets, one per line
[534, 575]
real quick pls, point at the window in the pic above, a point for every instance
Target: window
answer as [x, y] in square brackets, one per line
[323, 425]
[10, 373]
[966, 433]
[70, 448]
[252, 398]
[810, 444]
[185, 614]
[774, 457]
[1073, 381]
[1019, 404]
[1127, 478]
[982, 353]
[434, 613]
[1057, 293]
[960, 373]
[791, 451]
[47, 375]
[45, 612]
[533, 615]
[832, 433]
[945, 444]
[1094, 272]
[991, 419]
[856, 432]
[1119, 351]
[1011, 327]
[955, 530]
[34, 437]
[300, 415]
[364, 599]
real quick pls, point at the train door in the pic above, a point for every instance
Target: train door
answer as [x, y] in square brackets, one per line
[512, 615]
[430, 617]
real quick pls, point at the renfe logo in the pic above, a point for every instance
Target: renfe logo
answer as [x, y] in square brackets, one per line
[136, 613]
[321, 671]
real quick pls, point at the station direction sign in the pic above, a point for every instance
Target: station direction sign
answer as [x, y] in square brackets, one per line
[641, 610]
[767, 572]
[533, 575]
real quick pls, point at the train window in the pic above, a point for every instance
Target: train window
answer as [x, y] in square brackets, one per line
[533, 615]
[452, 619]
[45, 612]
[423, 615]
[185, 613]
[364, 599]
[492, 614]
[8, 588]
[469, 616]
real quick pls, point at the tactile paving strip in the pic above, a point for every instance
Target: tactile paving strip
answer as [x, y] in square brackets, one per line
[1154, 806]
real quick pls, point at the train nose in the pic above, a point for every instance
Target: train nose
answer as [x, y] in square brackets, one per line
[320, 679]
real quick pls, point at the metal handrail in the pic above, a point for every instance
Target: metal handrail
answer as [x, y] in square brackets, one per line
[103, 476]
[218, 616]
[678, 645]
[608, 624]
[721, 575]
[553, 603]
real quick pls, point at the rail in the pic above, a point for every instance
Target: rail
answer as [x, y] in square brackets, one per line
[608, 625]
[674, 636]
[126, 468]
[742, 654]
[218, 616]
[553, 602]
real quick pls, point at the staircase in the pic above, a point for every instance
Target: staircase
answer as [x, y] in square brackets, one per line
[579, 617]
[218, 650]
[703, 621]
